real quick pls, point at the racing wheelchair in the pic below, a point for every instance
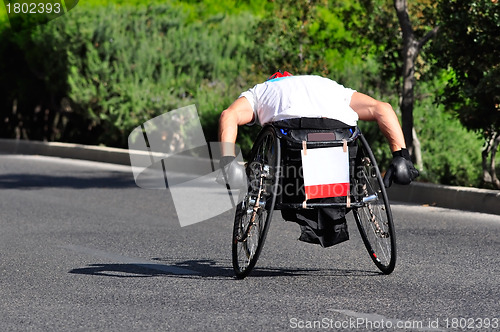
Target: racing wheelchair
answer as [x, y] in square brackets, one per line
[274, 148]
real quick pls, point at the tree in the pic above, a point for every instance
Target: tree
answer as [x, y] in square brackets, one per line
[468, 46]
[310, 37]
[402, 56]
[411, 49]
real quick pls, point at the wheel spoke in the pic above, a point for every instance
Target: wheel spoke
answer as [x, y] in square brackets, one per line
[254, 214]
[374, 218]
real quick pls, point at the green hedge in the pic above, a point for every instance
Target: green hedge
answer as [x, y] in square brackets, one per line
[451, 153]
[99, 72]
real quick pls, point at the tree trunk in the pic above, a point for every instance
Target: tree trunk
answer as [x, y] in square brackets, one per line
[411, 48]
[484, 156]
[493, 152]
[417, 151]
[489, 168]
[410, 51]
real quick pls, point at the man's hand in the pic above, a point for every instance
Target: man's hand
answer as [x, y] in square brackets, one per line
[232, 173]
[401, 170]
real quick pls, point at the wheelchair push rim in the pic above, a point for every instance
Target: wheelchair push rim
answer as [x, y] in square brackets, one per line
[374, 217]
[253, 215]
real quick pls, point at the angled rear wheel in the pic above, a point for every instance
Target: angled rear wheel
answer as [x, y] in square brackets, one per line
[374, 218]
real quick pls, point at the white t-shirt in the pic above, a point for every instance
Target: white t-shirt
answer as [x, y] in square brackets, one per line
[301, 96]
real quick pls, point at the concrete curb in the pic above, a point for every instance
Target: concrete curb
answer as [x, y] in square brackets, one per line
[66, 150]
[460, 198]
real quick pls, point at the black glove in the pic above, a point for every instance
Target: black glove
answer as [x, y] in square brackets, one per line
[401, 170]
[232, 173]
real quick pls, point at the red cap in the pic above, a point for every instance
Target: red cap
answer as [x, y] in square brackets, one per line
[279, 74]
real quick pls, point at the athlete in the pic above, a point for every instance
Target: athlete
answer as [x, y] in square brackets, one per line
[285, 96]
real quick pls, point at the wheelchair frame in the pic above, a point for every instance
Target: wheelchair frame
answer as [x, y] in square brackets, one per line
[370, 205]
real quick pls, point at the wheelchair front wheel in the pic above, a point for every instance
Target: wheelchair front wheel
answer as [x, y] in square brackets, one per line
[253, 215]
[374, 218]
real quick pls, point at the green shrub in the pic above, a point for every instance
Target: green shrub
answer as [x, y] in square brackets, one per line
[451, 154]
[117, 67]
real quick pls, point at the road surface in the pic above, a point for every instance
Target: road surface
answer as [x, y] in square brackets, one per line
[82, 248]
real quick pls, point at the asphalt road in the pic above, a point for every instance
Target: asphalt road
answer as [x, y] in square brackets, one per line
[83, 249]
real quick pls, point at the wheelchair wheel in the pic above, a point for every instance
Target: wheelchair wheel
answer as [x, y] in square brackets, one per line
[253, 215]
[374, 218]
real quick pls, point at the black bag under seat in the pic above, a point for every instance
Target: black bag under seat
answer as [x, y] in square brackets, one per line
[323, 226]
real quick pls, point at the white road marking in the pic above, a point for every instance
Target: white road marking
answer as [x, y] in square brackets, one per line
[72, 162]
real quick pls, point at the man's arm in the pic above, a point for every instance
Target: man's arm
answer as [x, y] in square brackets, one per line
[239, 113]
[370, 109]
[401, 169]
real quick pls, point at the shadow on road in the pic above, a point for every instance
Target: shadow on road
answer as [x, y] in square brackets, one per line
[119, 271]
[35, 181]
[206, 268]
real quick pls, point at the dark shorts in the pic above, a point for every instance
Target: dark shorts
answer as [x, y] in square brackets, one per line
[323, 226]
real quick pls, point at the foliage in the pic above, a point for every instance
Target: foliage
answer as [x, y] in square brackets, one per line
[451, 152]
[120, 66]
[32, 83]
[473, 89]
[311, 37]
[202, 9]
[94, 74]
[381, 27]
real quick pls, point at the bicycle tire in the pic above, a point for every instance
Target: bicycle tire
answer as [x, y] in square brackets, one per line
[263, 171]
[374, 219]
